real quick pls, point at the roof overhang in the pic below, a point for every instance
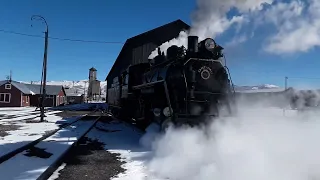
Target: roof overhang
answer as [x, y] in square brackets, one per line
[128, 41]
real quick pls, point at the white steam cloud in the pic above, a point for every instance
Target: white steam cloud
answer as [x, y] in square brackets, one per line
[210, 19]
[292, 22]
[296, 21]
[181, 40]
[258, 143]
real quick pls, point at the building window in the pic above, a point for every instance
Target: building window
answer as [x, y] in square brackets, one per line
[5, 97]
[7, 86]
[27, 99]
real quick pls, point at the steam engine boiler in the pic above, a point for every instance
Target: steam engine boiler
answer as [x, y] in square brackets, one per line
[183, 86]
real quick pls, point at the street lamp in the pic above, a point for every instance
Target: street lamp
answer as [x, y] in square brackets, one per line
[44, 68]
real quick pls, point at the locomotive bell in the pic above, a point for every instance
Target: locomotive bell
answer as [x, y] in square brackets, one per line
[193, 44]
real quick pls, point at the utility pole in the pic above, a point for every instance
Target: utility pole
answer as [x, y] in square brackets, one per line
[44, 70]
[10, 76]
[286, 83]
[85, 86]
[285, 89]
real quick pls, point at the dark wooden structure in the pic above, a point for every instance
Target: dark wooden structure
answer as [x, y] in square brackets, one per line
[73, 97]
[138, 48]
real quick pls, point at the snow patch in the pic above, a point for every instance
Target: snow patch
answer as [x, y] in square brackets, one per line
[55, 175]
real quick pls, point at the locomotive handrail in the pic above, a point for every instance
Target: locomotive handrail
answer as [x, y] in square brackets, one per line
[160, 64]
[168, 97]
[146, 85]
[230, 79]
[210, 60]
[229, 74]
[206, 92]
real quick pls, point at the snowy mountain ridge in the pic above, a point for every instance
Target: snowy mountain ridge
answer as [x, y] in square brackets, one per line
[76, 86]
[80, 85]
[263, 86]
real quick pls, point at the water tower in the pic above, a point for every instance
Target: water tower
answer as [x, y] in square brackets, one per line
[92, 74]
[94, 84]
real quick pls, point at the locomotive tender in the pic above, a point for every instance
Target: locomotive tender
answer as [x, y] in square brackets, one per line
[182, 87]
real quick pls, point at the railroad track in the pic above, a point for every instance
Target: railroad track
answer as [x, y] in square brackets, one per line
[127, 123]
[46, 174]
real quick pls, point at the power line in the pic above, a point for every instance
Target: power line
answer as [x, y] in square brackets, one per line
[303, 78]
[61, 39]
[272, 74]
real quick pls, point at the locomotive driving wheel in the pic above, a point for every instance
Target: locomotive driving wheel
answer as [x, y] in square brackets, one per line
[166, 124]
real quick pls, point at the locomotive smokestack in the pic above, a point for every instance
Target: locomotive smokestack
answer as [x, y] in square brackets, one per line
[193, 44]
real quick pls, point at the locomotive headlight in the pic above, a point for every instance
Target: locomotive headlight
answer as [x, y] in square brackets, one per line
[157, 112]
[166, 111]
[209, 44]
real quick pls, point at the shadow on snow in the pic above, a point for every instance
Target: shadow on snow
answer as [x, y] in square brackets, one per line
[29, 164]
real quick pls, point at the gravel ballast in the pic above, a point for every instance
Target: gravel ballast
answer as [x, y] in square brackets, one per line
[89, 160]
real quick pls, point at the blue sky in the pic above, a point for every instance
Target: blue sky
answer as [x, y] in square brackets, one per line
[116, 21]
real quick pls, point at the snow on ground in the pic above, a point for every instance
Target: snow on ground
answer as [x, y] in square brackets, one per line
[15, 113]
[2, 109]
[27, 132]
[55, 175]
[259, 143]
[26, 116]
[124, 140]
[26, 167]
[82, 106]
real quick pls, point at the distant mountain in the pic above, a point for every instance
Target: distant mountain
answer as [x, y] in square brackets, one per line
[79, 86]
[263, 86]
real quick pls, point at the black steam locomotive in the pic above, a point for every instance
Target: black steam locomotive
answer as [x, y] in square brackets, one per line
[182, 87]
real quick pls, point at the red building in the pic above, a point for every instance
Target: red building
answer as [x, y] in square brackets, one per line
[16, 94]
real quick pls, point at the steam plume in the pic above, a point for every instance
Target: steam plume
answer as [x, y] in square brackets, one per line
[209, 19]
[259, 143]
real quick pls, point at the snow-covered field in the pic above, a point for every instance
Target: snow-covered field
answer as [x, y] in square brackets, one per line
[16, 132]
[24, 166]
[19, 132]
